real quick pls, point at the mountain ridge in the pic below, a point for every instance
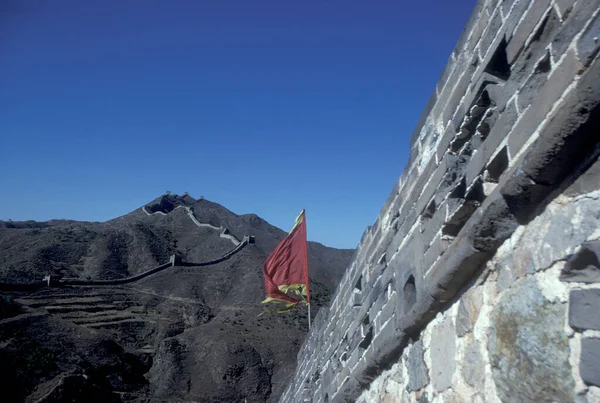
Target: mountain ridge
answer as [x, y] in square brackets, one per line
[160, 319]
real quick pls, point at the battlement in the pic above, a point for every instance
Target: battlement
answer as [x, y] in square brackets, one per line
[473, 244]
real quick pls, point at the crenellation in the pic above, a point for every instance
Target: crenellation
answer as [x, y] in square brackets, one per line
[473, 225]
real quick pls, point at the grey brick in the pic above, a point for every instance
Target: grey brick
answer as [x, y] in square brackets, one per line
[438, 247]
[385, 314]
[379, 303]
[434, 225]
[533, 84]
[589, 42]
[394, 245]
[445, 140]
[365, 235]
[443, 80]
[558, 81]
[564, 6]
[489, 147]
[417, 368]
[430, 188]
[480, 21]
[576, 20]
[445, 92]
[589, 366]
[490, 34]
[473, 28]
[583, 309]
[506, 5]
[525, 29]
[458, 93]
[386, 343]
[515, 15]
[386, 209]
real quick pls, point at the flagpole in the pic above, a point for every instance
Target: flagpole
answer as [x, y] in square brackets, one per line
[306, 260]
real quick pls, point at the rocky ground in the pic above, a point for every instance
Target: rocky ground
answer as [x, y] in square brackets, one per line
[184, 334]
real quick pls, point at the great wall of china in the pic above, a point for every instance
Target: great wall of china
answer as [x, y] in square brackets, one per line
[480, 279]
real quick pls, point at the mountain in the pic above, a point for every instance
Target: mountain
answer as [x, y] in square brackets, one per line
[187, 333]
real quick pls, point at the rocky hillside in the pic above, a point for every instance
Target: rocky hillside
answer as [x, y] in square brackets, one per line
[184, 334]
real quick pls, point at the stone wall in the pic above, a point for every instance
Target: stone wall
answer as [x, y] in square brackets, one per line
[479, 279]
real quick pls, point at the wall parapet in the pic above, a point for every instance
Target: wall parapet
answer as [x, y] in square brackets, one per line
[507, 125]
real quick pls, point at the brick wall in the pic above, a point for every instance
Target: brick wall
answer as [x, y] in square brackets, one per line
[513, 122]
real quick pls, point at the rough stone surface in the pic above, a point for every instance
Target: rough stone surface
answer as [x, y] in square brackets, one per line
[587, 182]
[584, 309]
[528, 348]
[584, 265]
[472, 367]
[468, 311]
[443, 349]
[589, 367]
[589, 44]
[417, 369]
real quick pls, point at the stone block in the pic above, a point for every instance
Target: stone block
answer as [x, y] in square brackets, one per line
[353, 360]
[436, 249]
[584, 265]
[589, 42]
[491, 143]
[432, 185]
[525, 28]
[513, 14]
[434, 225]
[468, 311]
[580, 14]
[459, 91]
[536, 80]
[558, 81]
[528, 348]
[443, 351]
[418, 376]
[493, 29]
[444, 142]
[473, 367]
[448, 69]
[383, 245]
[477, 23]
[356, 336]
[377, 305]
[486, 82]
[400, 234]
[588, 182]
[584, 306]
[385, 314]
[564, 7]
[460, 65]
[589, 366]
[387, 344]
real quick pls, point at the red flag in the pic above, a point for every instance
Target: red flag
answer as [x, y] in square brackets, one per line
[286, 268]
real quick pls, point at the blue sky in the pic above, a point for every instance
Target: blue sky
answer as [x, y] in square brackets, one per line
[265, 107]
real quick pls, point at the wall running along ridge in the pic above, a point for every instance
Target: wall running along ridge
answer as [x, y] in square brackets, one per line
[480, 279]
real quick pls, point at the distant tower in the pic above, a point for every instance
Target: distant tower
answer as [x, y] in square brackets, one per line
[186, 193]
[168, 192]
[201, 198]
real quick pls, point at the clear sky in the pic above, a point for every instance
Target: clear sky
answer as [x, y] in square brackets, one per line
[265, 107]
